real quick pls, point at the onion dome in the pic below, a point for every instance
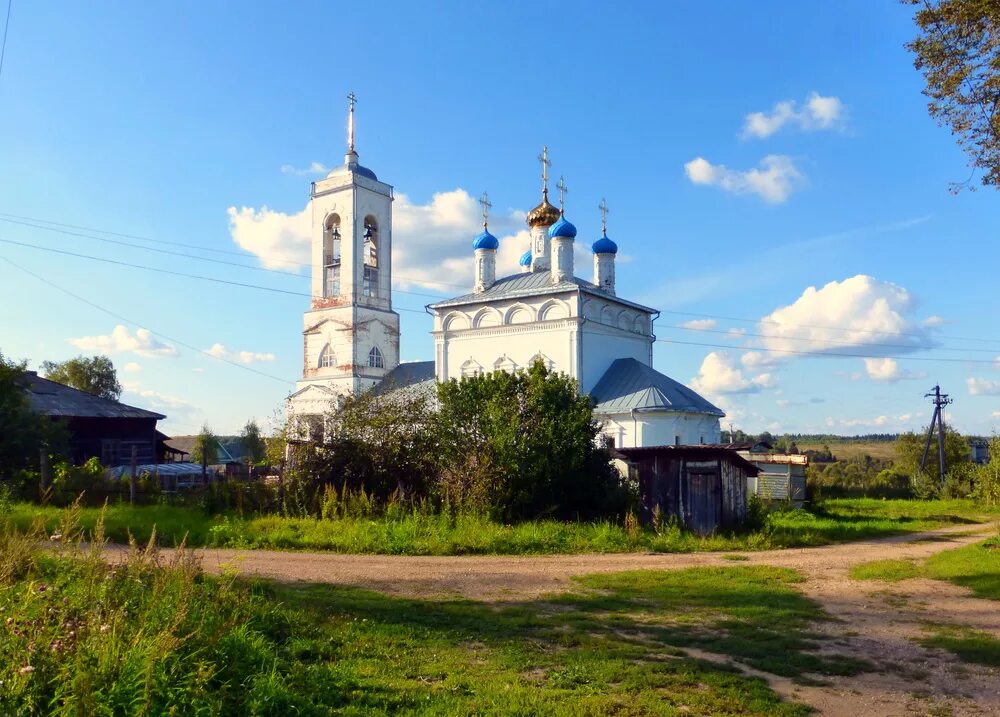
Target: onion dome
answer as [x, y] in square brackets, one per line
[485, 241]
[525, 258]
[604, 246]
[562, 228]
[544, 214]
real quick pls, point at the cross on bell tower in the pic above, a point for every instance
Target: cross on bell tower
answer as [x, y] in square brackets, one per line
[351, 101]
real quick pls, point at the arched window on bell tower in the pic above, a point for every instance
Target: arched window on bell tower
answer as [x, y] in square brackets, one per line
[327, 359]
[369, 255]
[331, 255]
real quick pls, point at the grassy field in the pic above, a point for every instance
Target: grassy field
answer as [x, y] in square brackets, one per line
[845, 450]
[976, 567]
[83, 637]
[419, 534]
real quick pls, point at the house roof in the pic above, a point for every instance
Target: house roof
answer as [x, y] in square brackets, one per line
[56, 400]
[418, 374]
[697, 452]
[629, 385]
[230, 447]
[533, 283]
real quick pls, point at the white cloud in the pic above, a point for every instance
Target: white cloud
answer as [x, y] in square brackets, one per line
[279, 240]
[174, 408]
[220, 351]
[996, 414]
[982, 387]
[430, 241]
[887, 369]
[773, 180]
[860, 312]
[818, 112]
[313, 168]
[736, 332]
[120, 340]
[719, 375]
[882, 421]
[699, 324]
[934, 321]
[132, 367]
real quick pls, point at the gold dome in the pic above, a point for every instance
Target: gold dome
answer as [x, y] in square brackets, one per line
[544, 214]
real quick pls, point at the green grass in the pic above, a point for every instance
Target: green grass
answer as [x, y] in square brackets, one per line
[889, 571]
[84, 637]
[421, 534]
[965, 643]
[976, 567]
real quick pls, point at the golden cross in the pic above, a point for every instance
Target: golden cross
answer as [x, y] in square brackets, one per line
[484, 202]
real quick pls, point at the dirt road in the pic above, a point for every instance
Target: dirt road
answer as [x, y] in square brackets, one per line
[877, 622]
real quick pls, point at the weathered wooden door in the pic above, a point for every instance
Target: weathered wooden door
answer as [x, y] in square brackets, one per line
[704, 502]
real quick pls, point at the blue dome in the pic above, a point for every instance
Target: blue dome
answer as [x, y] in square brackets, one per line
[485, 241]
[562, 228]
[604, 246]
[526, 258]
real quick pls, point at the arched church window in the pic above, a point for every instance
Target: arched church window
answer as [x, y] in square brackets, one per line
[327, 358]
[331, 255]
[375, 359]
[369, 255]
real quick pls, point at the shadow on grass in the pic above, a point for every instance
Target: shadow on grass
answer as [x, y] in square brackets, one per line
[623, 630]
[965, 643]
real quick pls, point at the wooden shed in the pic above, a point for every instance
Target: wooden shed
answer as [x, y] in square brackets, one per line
[705, 487]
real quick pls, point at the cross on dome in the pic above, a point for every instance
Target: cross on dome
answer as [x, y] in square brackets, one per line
[351, 100]
[561, 185]
[484, 202]
[603, 206]
[546, 163]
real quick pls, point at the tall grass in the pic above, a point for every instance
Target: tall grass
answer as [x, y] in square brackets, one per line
[398, 529]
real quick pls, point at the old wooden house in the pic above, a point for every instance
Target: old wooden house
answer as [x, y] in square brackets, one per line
[97, 427]
[702, 486]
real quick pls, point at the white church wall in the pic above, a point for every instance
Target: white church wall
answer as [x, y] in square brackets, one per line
[660, 428]
[602, 345]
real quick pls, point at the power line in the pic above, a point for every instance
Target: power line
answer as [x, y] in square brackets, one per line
[834, 354]
[136, 324]
[8, 217]
[30, 222]
[174, 273]
[880, 344]
[6, 27]
[818, 326]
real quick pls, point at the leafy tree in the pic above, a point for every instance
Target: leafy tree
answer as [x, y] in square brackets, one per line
[22, 432]
[254, 448]
[958, 53]
[525, 445]
[206, 445]
[382, 444]
[909, 449]
[96, 375]
[987, 477]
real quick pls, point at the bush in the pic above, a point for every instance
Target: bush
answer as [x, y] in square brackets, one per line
[987, 477]
[524, 445]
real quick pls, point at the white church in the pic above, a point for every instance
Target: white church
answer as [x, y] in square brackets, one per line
[545, 313]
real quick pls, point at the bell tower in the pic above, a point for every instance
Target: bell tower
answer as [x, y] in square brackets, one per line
[350, 332]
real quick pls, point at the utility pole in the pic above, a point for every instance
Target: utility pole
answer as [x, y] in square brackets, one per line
[940, 400]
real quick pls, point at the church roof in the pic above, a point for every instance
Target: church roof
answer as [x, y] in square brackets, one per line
[413, 373]
[533, 283]
[631, 385]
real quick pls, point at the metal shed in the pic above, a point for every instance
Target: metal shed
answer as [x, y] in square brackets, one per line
[705, 487]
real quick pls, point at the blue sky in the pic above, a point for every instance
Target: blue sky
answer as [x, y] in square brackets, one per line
[154, 120]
